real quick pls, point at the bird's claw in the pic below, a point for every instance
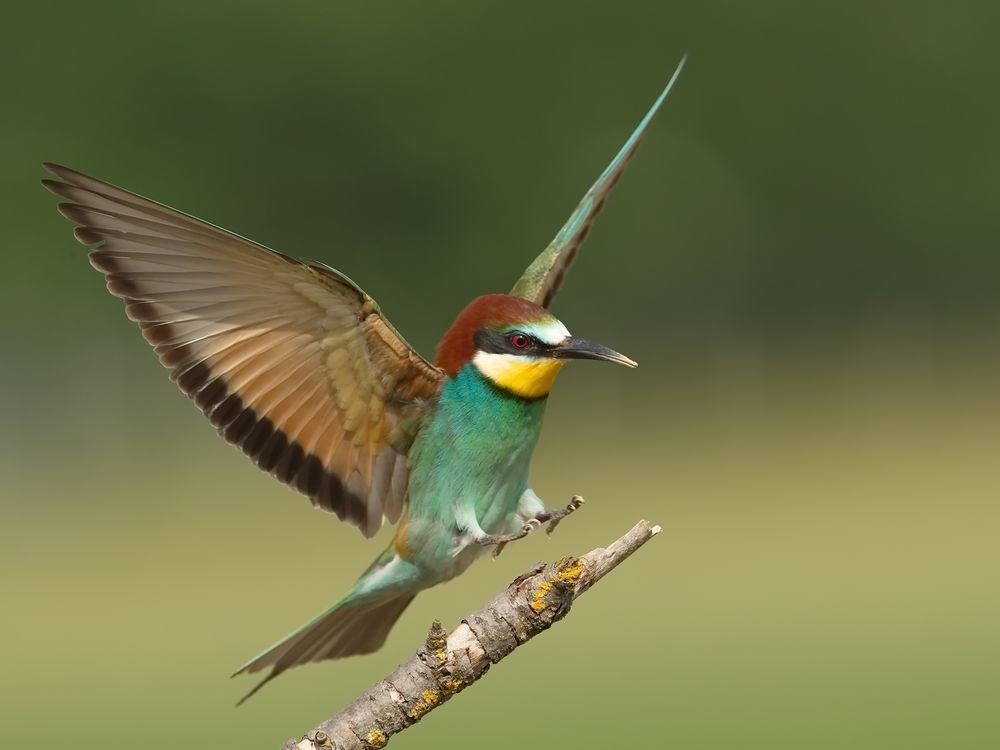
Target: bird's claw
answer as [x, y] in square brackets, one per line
[554, 517]
[501, 540]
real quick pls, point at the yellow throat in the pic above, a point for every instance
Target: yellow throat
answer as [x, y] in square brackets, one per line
[522, 376]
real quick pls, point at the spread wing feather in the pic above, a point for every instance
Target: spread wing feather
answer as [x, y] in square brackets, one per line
[542, 279]
[290, 361]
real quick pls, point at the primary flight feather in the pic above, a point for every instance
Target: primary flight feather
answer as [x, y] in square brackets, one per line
[296, 365]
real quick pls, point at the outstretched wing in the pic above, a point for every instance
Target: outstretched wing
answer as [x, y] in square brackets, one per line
[291, 361]
[542, 279]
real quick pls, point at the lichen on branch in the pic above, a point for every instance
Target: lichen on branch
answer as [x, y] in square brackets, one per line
[447, 663]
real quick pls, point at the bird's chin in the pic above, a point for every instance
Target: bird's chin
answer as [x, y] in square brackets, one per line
[524, 377]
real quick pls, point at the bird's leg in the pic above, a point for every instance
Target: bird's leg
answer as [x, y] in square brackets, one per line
[501, 540]
[532, 507]
[555, 516]
[531, 511]
[468, 526]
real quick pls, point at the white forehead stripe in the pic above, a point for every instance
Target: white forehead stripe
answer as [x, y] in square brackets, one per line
[550, 332]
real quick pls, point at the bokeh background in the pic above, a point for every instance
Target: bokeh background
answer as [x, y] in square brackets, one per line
[803, 258]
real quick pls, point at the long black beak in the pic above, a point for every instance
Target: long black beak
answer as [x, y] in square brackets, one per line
[576, 348]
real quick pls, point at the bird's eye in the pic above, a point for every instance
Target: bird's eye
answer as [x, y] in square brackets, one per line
[519, 341]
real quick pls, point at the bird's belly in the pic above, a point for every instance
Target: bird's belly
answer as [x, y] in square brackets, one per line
[437, 531]
[496, 509]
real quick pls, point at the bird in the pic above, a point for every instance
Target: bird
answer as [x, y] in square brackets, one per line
[297, 366]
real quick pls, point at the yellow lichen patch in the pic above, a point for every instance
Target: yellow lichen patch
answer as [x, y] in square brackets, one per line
[428, 699]
[437, 642]
[571, 573]
[376, 739]
[539, 594]
[453, 685]
[568, 572]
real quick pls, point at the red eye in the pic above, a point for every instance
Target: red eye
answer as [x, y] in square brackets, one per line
[519, 341]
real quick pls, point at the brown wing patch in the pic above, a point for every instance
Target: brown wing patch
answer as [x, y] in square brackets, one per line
[289, 361]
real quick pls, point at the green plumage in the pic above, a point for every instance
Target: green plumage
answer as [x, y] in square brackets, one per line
[468, 475]
[297, 366]
[469, 468]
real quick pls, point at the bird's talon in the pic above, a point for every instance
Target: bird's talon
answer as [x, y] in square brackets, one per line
[501, 541]
[556, 516]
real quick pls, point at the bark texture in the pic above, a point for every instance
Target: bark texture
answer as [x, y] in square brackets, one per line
[447, 663]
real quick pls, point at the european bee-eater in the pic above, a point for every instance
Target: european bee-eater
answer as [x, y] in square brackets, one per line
[296, 365]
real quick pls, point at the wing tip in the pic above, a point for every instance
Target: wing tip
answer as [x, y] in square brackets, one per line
[61, 171]
[54, 186]
[68, 210]
[256, 688]
[561, 251]
[674, 76]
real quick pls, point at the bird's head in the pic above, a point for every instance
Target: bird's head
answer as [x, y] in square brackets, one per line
[516, 344]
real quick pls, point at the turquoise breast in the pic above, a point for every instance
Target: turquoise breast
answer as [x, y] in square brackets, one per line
[471, 457]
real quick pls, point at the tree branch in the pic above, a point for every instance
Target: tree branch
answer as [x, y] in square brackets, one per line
[447, 663]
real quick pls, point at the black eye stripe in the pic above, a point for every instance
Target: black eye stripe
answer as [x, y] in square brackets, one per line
[499, 342]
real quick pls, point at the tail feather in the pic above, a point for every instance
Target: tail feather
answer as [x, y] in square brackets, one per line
[346, 629]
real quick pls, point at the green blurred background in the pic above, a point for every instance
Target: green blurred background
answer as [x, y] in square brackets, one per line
[803, 258]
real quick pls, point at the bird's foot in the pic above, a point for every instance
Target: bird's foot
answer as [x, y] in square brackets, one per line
[501, 540]
[555, 516]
